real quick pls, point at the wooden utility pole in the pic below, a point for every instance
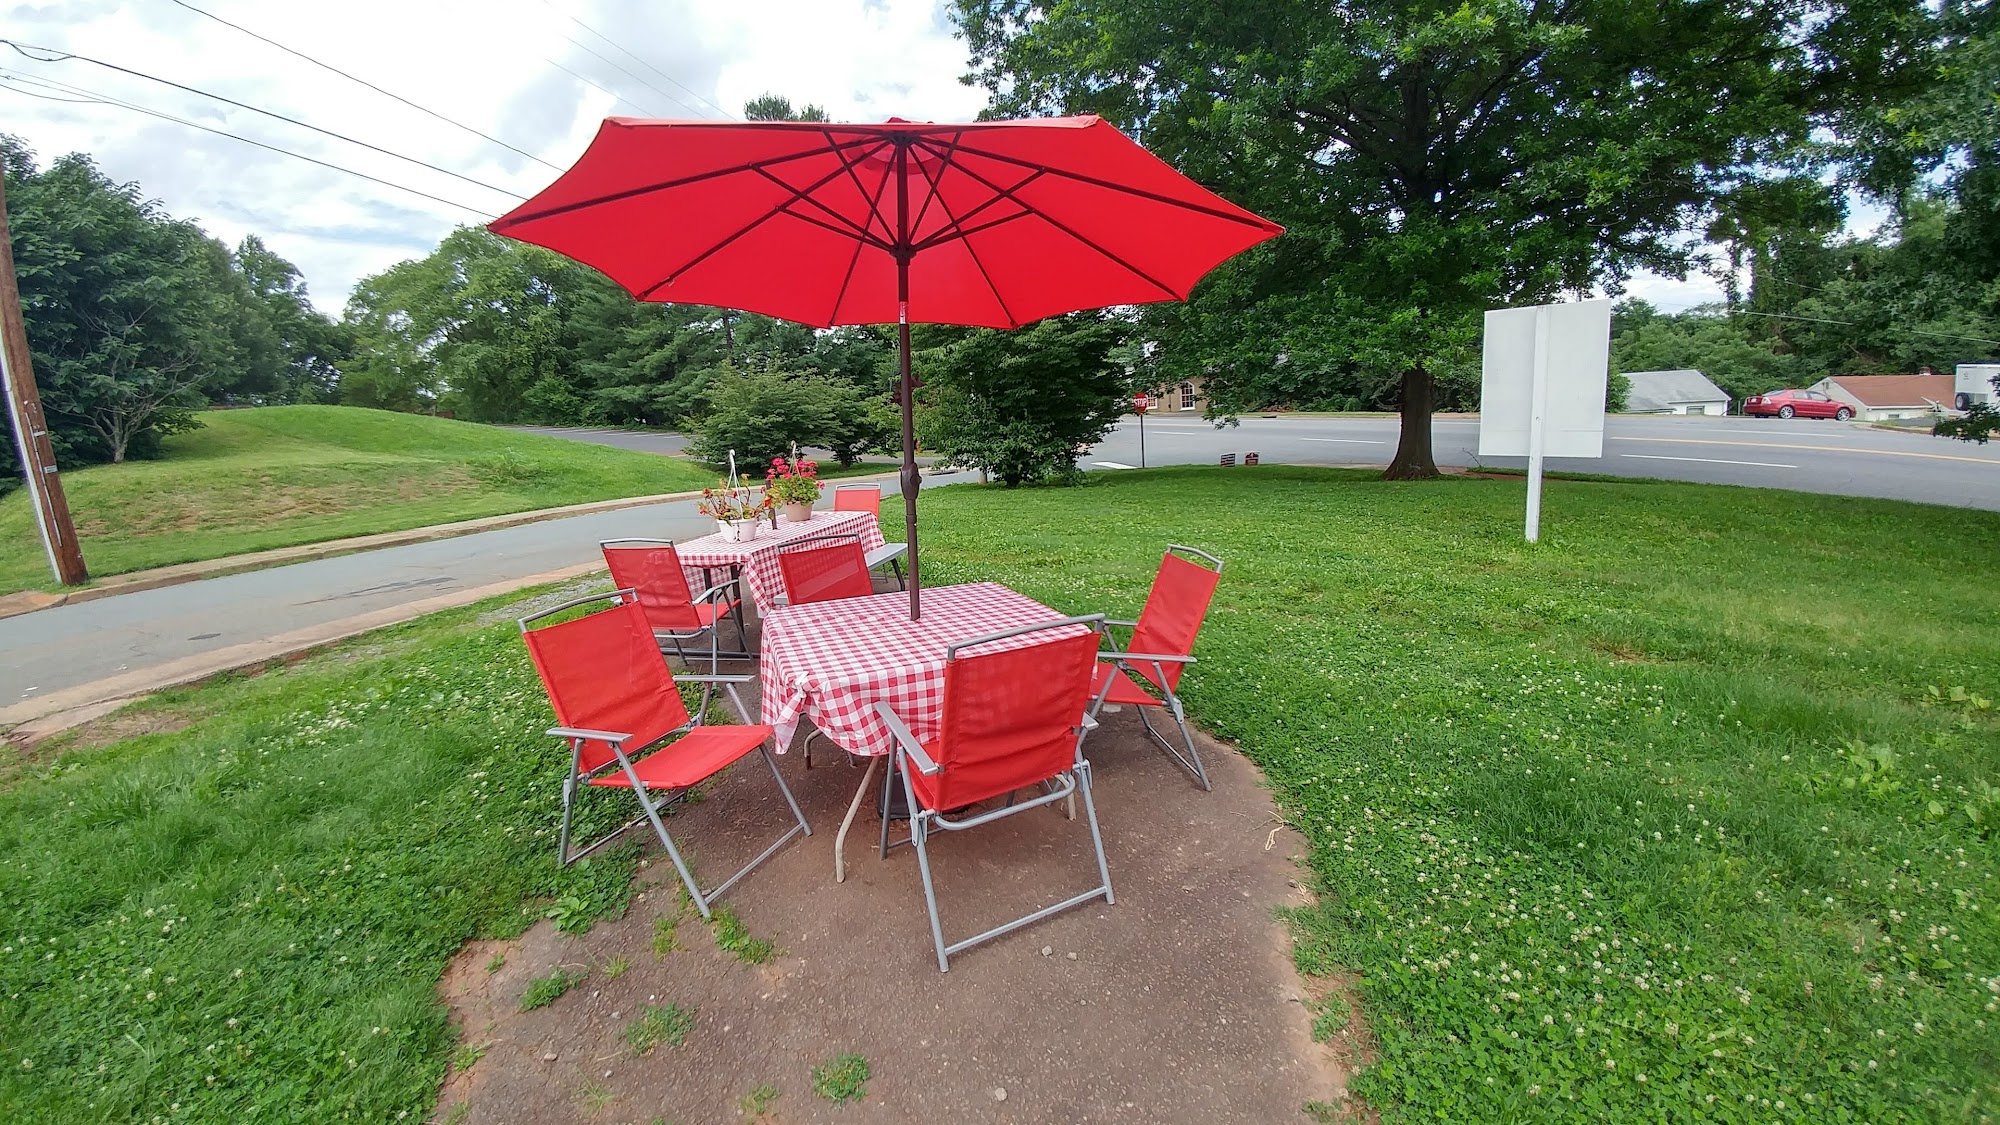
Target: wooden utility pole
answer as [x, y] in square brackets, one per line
[31, 431]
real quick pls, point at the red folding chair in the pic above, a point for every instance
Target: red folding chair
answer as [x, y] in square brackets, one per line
[653, 568]
[823, 568]
[627, 727]
[1013, 719]
[1162, 644]
[868, 498]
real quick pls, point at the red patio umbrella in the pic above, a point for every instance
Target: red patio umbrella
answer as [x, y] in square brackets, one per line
[993, 224]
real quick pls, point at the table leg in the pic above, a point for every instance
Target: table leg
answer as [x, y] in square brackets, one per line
[853, 807]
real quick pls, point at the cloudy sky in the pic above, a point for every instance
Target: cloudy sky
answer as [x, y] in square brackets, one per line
[536, 75]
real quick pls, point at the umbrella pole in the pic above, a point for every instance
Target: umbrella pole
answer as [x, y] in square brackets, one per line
[910, 479]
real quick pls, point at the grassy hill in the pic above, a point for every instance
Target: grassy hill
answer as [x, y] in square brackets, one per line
[278, 476]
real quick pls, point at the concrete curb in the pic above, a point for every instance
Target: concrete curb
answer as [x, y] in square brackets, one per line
[29, 722]
[28, 601]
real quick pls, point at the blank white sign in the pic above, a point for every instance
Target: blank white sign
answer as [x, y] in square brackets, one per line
[1579, 347]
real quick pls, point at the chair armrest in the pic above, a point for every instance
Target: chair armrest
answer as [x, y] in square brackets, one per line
[611, 737]
[1127, 624]
[911, 746]
[694, 678]
[1148, 657]
[710, 593]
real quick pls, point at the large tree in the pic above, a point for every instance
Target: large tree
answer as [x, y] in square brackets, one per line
[1435, 159]
[132, 315]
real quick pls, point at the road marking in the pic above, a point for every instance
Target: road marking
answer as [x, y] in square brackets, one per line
[1708, 461]
[1347, 440]
[1821, 448]
[1110, 465]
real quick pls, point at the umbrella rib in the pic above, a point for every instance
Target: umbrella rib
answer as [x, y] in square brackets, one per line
[836, 148]
[874, 201]
[970, 252]
[797, 194]
[846, 227]
[846, 279]
[1240, 218]
[1079, 236]
[875, 209]
[962, 231]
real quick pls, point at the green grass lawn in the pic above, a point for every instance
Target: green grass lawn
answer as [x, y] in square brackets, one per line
[278, 476]
[1657, 821]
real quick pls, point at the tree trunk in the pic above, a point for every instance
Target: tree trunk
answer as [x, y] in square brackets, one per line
[1414, 459]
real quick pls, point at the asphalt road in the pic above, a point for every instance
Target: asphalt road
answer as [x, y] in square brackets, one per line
[1846, 459]
[72, 645]
[1841, 458]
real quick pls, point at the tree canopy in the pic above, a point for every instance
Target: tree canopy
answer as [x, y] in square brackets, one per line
[1432, 160]
[136, 319]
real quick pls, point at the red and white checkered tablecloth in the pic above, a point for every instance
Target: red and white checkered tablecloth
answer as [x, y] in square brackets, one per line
[759, 557]
[832, 662]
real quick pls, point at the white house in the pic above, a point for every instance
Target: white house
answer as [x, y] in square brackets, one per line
[1880, 398]
[1683, 391]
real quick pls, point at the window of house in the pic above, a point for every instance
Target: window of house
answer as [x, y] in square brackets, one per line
[1187, 396]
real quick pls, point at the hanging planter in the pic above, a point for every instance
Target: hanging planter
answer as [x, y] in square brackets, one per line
[793, 484]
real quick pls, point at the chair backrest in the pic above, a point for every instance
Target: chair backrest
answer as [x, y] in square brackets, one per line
[823, 568]
[1012, 716]
[858, 498]
[1174, 610]
[604, 672]
[653, 568]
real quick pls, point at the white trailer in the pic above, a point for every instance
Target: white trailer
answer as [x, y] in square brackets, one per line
[1974, 385]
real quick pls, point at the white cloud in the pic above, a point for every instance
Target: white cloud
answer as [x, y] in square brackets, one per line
[492, 66]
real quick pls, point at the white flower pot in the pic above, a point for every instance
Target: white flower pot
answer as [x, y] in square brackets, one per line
[798, 513]
[736, 531]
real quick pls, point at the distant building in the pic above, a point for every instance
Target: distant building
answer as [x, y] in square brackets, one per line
[1176, 397]
[1683, 391]
[1881, 398]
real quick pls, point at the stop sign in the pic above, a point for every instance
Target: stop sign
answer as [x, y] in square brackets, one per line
[1141, 401]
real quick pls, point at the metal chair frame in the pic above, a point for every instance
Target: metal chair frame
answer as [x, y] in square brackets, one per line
[1124, 662]
[622, 760]
[1060, 787]
[734, 613]
[890, 553]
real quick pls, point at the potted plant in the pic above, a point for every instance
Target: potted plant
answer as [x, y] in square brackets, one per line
[734, 509]
[794, 485]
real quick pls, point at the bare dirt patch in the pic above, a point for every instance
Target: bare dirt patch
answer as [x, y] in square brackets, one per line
[1180, 1003]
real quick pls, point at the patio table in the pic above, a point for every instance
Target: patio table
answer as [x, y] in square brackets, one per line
[757, 559]
[832, 662]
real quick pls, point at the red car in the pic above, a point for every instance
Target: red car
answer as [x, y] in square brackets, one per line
[1801, 404]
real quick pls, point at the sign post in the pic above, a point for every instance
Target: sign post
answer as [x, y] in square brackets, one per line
[1542, 383]
[1140, 403]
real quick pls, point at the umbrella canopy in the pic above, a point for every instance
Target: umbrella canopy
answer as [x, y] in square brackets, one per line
[992, 224]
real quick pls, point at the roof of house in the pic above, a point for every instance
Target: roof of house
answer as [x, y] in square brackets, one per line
[1897, 390]
[1661, 390]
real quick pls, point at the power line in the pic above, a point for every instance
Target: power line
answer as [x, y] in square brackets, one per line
[595, 86]
[370, 85]
[82, 96]
[584, 47]
[60, 56]
[642, 62]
